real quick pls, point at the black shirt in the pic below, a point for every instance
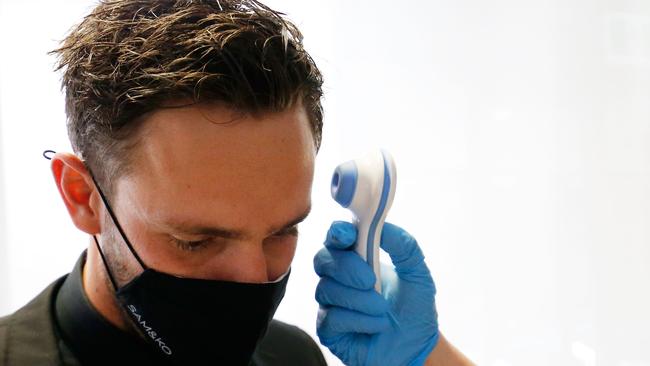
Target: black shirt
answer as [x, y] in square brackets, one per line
[88, 335]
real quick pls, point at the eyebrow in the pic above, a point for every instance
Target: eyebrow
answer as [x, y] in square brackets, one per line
[215, 231]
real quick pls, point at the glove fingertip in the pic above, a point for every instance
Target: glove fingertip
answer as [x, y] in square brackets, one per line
[321, 259]
[404, 250]
[383, 306]
[384, 323]
[341, 235]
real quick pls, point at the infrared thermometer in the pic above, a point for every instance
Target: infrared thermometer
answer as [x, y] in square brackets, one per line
[366, 186]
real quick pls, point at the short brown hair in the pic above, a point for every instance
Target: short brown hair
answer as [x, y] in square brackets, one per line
[130, 57]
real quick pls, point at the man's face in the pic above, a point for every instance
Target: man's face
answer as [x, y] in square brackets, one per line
[211, 199]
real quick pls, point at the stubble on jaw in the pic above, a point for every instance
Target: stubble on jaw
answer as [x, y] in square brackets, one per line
[117, 255]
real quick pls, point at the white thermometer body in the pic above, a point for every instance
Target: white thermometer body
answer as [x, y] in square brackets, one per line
[366, 186]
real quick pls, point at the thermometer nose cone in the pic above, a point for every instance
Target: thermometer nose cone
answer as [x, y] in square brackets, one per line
[344, 183]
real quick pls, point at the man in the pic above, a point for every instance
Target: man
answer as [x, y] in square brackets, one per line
[195, 125]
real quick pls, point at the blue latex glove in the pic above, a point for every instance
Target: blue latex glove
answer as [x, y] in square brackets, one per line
[362, 327]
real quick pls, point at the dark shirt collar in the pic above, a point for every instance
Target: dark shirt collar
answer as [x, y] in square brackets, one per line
[90, 337]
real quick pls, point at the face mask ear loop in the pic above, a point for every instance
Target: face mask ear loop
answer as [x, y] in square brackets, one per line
[101, 254]
[117, 224]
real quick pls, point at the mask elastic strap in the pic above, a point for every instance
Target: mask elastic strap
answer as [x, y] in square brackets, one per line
[108, 269]
[117, 224]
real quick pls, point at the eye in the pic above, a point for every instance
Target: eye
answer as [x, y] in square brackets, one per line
[291, 231]
[189, 245]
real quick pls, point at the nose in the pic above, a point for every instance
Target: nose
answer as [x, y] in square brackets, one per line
[246, 262]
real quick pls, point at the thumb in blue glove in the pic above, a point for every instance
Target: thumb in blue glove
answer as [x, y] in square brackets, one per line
[362, 327]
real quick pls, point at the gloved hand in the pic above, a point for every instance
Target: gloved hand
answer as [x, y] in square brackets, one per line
[362, 327]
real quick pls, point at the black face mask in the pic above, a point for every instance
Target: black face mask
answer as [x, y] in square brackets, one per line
[195, 321]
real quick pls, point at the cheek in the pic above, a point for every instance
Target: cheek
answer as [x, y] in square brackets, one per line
[155, 250]
[279, 253]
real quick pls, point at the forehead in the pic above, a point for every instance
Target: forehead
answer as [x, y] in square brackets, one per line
[212, 160]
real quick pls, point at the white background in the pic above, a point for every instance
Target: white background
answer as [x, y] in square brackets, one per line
[521, 131]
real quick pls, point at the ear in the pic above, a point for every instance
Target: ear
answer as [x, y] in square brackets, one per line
[78, 192]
